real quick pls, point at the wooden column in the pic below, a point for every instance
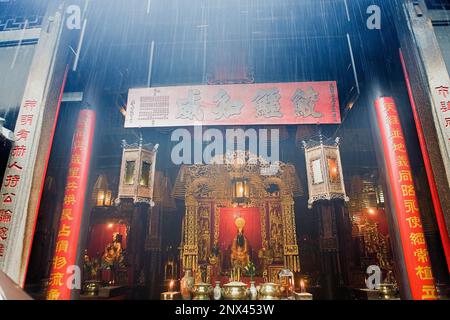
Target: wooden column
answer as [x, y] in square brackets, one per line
[329, 246]
[136, 242]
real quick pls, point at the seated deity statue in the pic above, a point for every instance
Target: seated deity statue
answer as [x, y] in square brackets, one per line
[240, 248]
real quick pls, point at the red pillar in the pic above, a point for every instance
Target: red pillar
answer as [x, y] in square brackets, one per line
[65, 254]
[404, 200]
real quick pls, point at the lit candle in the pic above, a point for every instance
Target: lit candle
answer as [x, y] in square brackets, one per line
[303, 295]
[302, 286]
[171, 294]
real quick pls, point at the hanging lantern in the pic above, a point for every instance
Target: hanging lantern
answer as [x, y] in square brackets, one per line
[241, 190]
[324, 170]
[137, 172]
[102, 195]
[104, 198]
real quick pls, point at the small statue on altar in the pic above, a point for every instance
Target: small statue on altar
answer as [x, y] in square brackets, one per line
[113, 257]
[203, 274]
[390, 278]
[240, 249]
[215, 260]
[91, 267]
[86, 266]
[170, 267]
[265, 255]
[214, 257]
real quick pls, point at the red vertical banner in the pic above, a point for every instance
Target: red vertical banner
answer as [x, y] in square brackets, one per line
[404, 198]
[65, 254]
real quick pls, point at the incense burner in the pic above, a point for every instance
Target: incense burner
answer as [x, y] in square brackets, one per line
[387, 291]
[235, 291]
[201, 291]
[269, 291]
[91, 287]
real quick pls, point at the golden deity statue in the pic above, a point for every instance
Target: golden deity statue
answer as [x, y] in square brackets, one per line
[113, 257]
[113, 251]
[240, 249]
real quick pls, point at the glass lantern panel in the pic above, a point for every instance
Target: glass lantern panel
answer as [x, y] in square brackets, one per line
[130, 166]
[246, 189]
[100, 198]
[108, 198]
[333, 170]
[145, 174]
[317, 171]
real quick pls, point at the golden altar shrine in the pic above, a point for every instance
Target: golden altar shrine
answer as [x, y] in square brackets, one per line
[221, 235]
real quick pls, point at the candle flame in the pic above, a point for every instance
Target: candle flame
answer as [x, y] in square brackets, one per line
[302, 286]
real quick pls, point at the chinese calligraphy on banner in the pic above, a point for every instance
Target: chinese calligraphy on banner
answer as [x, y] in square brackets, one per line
[441, 95]
[65, 253]
[235, 104]
[406, 208]
[14, 178]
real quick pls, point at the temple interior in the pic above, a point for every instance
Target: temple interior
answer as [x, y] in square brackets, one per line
[230, 222]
